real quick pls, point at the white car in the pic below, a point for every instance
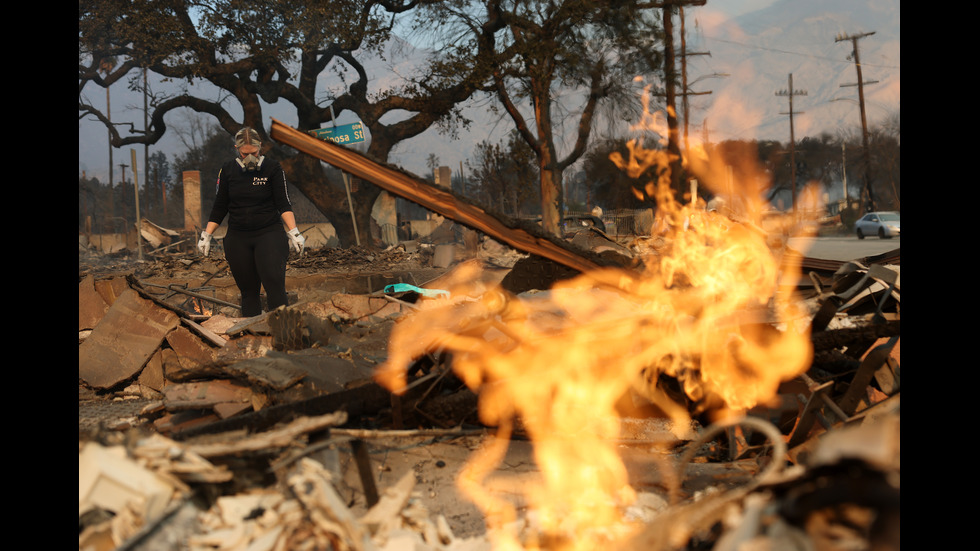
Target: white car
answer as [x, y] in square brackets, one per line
[883, 224]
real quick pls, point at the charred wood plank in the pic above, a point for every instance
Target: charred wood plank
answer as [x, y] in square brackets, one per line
[523, 236]
[823, 317]
[810, 413]
[872, 362]
[365, 472]
[835, 362]
[358, 401]
[280, 438]
[856, 336]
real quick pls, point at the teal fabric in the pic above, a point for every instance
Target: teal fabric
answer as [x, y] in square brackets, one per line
[403, 287]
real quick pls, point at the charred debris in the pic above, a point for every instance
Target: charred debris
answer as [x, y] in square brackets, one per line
[211, 429]
[202, 430]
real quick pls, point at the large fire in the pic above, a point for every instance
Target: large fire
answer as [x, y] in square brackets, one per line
[708, 310]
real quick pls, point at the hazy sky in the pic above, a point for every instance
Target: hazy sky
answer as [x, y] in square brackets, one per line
[93, 144]
[737, 7]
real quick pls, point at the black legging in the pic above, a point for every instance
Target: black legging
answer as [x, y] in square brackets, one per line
[258, 260]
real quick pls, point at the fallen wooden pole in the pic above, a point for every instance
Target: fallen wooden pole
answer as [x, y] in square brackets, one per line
[442, 202]
[193, 294]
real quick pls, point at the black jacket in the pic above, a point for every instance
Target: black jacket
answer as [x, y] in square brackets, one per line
[251, 200]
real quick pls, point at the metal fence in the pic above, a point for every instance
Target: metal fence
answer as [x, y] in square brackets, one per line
[628, 222]
[619, 223]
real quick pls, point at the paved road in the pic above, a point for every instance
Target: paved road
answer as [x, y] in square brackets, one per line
[843, 248]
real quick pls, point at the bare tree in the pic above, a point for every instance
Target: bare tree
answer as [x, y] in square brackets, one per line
[552, 64]
[503, 174]
[262, 52]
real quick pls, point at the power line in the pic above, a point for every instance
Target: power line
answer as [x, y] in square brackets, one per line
[811, 56]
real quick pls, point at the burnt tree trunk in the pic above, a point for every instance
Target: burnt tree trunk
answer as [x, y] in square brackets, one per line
[330, 198]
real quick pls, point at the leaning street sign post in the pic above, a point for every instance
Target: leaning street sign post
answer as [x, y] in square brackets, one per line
[343, 134]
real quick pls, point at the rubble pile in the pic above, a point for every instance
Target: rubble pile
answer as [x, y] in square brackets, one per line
[202, 430]
[228, 433]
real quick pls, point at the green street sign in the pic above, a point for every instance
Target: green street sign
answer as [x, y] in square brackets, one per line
[343, 134]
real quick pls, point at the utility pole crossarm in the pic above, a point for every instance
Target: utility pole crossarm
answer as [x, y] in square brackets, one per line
[854, 37]
[851, 85]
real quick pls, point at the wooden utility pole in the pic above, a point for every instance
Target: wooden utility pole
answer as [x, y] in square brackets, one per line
[122, 189]
[136, 190]
[109, 117]
[792, 137]
[867, 195]
[673, 147]
[685, 93]
[146, 146]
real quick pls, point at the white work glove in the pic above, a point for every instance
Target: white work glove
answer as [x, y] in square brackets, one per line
[204, 245]
[296, 240]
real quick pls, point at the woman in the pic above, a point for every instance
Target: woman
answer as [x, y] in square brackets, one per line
[252, 193]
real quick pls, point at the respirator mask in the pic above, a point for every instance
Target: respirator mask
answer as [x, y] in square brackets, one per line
[248, 136]
[250, 163]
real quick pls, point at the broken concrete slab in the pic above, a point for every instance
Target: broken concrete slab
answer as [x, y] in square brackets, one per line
[319, 369]
[255, 325]
[152, 375]
[193, 354]
[220, 323]
[128, 335]
[225, 410]
[274, 370]
[111, 288]
[355, 308]
[91, 305]
[205, 394]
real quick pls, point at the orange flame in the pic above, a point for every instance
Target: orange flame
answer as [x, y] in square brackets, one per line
[707, 310]
[200, 307]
